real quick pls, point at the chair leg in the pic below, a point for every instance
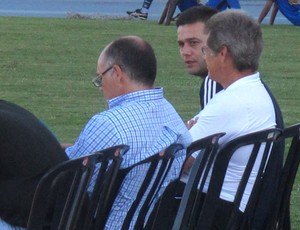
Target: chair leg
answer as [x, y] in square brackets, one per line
[164, 13]
[287, 223]
[171, 10]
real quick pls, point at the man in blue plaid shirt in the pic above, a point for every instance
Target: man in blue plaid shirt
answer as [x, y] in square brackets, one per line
[138, 115]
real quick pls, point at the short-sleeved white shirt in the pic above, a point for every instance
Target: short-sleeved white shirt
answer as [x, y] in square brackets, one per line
[242, 108]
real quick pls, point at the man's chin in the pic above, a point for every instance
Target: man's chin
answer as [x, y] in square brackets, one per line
[197, 73]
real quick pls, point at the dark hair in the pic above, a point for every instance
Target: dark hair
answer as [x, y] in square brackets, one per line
[135, 56]
[195, 14]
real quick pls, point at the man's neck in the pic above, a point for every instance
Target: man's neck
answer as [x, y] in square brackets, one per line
[234, 76]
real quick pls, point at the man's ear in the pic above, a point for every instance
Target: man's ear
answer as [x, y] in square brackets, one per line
[223, 50]
[224, 53]
[120, 78]
[118, 69]
[118, 74]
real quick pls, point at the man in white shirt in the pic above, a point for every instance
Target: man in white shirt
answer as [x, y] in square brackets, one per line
[245, 105]
[232, 53]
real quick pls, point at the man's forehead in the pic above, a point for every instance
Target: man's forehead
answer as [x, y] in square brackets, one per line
[199, 24]
[188, 30]
[191, 35]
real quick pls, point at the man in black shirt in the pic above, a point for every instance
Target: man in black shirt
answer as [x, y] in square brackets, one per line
[191, 38]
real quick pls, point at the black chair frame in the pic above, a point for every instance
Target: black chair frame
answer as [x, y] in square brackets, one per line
[257, 139]
[73, 177]
[155, 174]
[207, 148]
[160, 165]
[203, 214]
[281, 211]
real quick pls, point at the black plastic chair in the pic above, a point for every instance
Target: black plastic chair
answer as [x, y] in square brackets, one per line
[192, 198]
[160, 165]
[61, 196]
[281, 211]
[158, 168]
[163, 215]
[203, 212]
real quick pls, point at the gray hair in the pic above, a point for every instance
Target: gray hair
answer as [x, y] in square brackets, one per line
[240, 33]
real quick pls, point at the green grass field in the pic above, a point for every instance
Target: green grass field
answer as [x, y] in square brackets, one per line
[47, 66]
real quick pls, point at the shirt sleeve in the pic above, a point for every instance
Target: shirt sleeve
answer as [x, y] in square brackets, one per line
[213, 119]
[98, 128]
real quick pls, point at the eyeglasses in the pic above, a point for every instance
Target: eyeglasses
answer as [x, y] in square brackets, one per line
[97, 81]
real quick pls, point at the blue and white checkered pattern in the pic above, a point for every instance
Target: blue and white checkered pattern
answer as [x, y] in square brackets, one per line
[146, 122]
[5, 226]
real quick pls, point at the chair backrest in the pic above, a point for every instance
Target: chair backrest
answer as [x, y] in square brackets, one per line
[191, 198]
[259, 144]
[156, 170]
[259, 141]
[281, 217]
[61, 194]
